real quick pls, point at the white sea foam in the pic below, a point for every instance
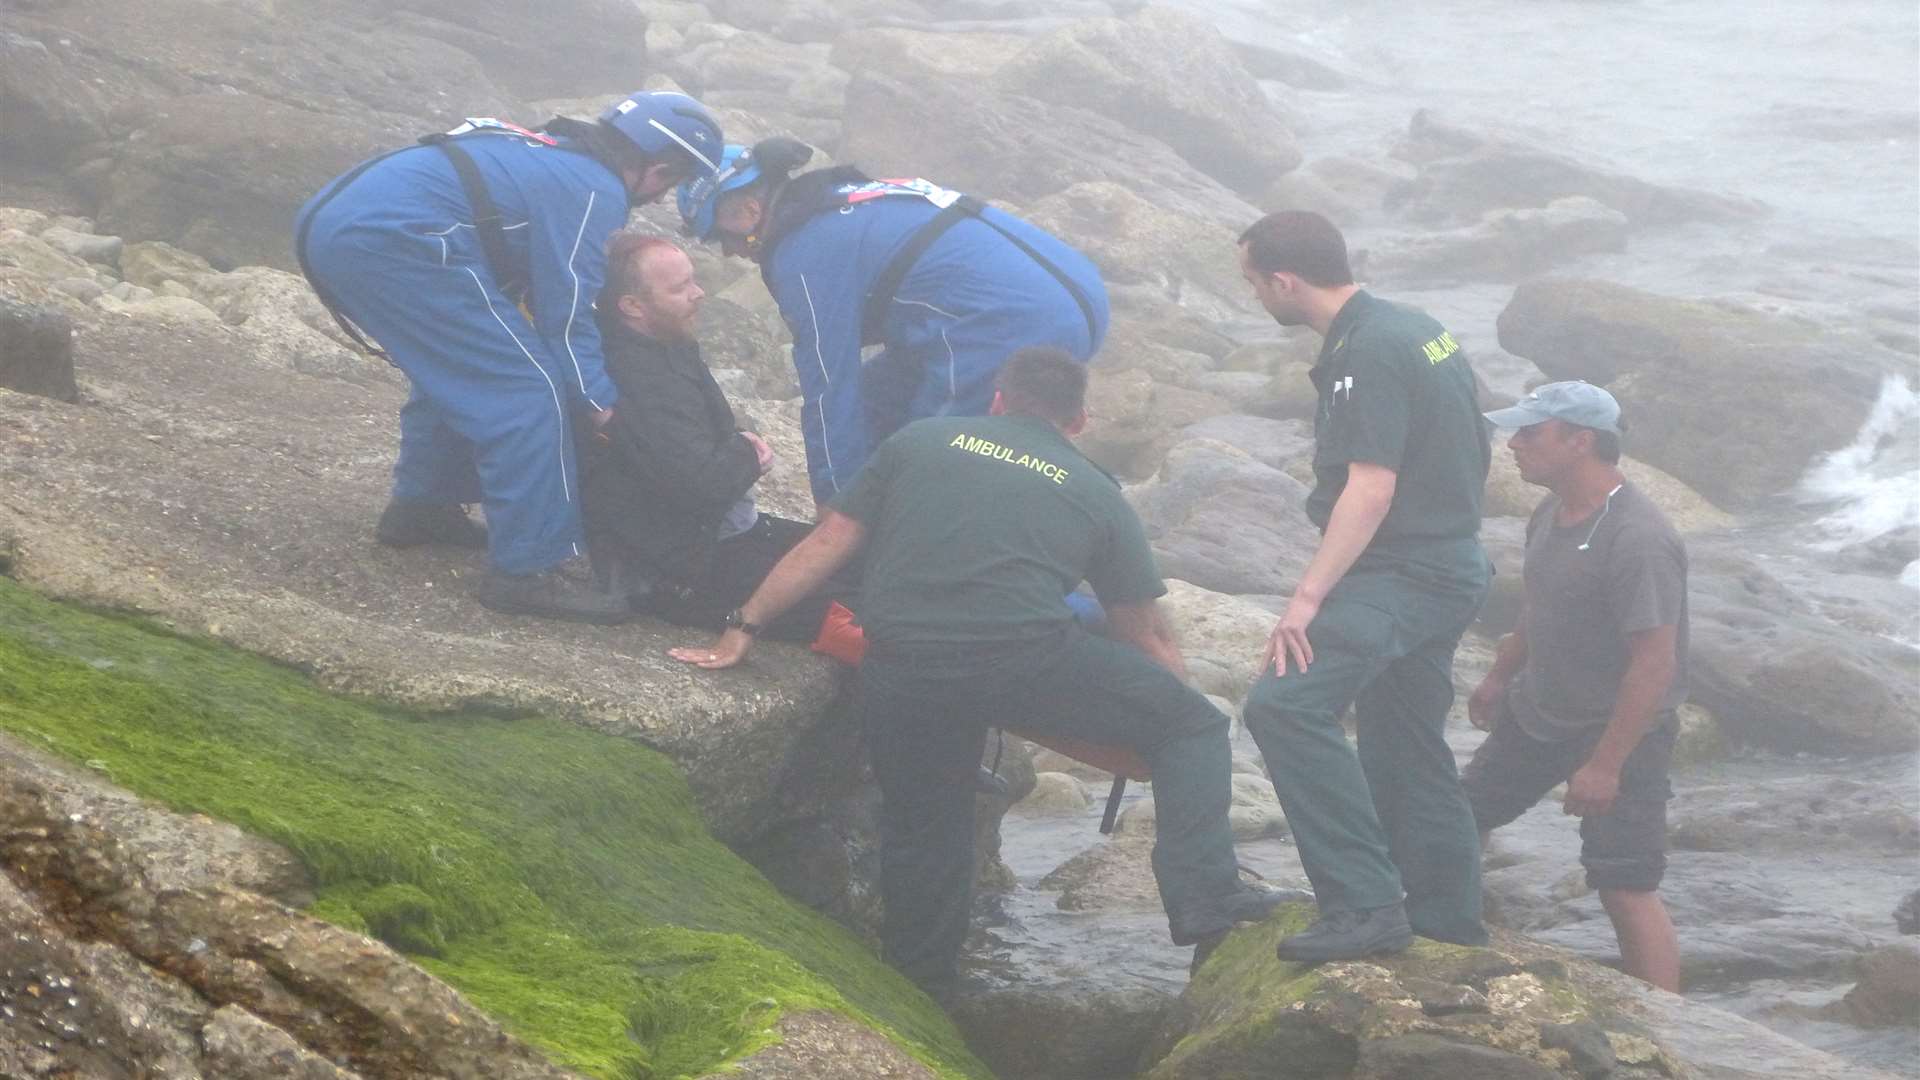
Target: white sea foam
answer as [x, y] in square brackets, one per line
[1871, 487]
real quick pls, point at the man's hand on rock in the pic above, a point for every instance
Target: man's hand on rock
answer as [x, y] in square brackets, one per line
[727, 650]
[1483, 705]
[761, 450]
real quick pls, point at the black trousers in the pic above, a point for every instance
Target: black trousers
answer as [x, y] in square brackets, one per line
[925, 734]
[738, 566]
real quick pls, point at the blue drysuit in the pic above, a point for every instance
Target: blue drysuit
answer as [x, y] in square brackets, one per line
[970, 300]
[494, 387]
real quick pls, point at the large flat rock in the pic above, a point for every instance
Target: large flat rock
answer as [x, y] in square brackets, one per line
[228, 497]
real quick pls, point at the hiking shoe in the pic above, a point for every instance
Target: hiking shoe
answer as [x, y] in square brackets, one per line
[405, 523]
[551, 594]
[1349, 935]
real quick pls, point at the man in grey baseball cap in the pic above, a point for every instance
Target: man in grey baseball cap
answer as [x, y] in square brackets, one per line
[1583, 692]
[1579, 403]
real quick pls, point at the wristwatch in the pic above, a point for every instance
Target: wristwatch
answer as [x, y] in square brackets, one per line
[737, 621]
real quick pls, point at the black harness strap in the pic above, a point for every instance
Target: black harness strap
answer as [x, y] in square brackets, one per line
[880, 298]
[486, 216]
[486, 223]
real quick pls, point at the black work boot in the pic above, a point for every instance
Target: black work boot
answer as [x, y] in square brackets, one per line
[551, 594]
[1350, 935]
[405, 523]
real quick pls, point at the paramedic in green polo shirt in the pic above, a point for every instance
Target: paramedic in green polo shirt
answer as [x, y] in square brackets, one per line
[1400, 458]
[975, 529]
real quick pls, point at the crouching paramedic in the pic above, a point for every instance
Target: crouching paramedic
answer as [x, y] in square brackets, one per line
[670, 515]
[474, 261]
[948, 286]
[974, 528]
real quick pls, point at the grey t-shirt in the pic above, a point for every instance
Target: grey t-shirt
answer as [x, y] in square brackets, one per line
[1588, 586]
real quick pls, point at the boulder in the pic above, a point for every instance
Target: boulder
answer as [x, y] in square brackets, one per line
[1504, 245]
[1297, 70]
[1224, 521]
[791, 86]
[965, 55]
[1349, 191]
[1439, 1011]
[87, 246]
[1778, 673]
[1133, 418]
[1135, 241]
[36, 351]
[182, 973]
[1681, 368]
[986, 142]
[740, 327]
[151, 263]
[1463, 174]
[1170, 75]
[1072, 1033]
[1888, 992]
[1221, 637]
[1255, 813]
[36, 257]
[1906, 916]
[567, 47]
[1508, 495]
[224, 174]
[1281, 444]
[55, 117]
[1055, 793]
[1113, 875]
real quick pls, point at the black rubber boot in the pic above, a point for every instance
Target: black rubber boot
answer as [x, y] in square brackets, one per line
[410, 524]
[551, 594]
[1350, 935]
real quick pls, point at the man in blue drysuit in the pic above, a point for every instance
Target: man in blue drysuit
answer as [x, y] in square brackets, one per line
[948, 286]
[474, 260]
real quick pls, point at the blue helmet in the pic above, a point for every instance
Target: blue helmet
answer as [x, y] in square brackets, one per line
[657, 121]
[740, 166]
[697, 197]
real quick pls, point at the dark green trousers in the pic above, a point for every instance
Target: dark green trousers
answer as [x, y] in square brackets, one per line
[1387, 820]
[925, 735]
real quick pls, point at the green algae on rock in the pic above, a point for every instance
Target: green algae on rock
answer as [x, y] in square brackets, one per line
[1434, 1011]
[559, 878]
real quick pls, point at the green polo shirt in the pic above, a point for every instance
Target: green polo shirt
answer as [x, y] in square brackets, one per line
[979, 527]
[1396, 390]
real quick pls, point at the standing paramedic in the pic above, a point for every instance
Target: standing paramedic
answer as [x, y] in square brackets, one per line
[949, 286]
[1400, 458]
[1583, 692]
[973, 528]
[474, 260]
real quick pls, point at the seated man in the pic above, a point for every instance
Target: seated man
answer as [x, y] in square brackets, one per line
[668, 481]
[974, 527]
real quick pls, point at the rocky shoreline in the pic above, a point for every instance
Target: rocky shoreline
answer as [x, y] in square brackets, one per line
[214, 454]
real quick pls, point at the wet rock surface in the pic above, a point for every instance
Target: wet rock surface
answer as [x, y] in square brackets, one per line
[1680, 367]
[233, 519]
[116, 964]
[36, 351]
[1512, 1009]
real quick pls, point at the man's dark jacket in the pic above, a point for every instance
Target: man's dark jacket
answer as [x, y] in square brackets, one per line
[671, 463]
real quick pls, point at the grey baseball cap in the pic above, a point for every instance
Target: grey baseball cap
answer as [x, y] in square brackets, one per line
[1575, 402]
